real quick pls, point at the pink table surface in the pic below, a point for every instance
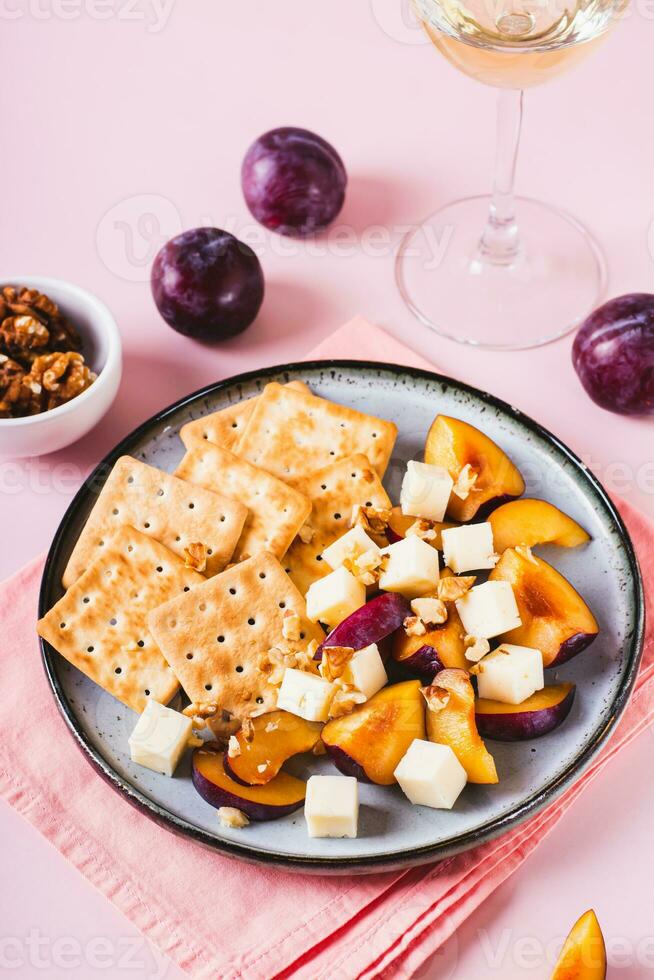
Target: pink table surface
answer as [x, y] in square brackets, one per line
[125, 122]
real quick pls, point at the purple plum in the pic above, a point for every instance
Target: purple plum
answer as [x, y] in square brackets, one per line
[207, 284]
[537, 716]
[371, 623]
[613, 354]
[293, 181]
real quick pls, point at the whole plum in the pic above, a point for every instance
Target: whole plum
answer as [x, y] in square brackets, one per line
[293, 181]
[613, 354]
[207, 284]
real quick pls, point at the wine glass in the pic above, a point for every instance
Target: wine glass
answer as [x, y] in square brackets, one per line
[501, 271]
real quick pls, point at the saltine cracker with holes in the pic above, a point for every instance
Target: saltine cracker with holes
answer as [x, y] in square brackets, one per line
[334, 492]
[100, 623]
[163, 507]
[276, 512]
[224, 428]
[216, 637]
[291, 433]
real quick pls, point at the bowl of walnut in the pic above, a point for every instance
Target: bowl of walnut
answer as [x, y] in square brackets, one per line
[60, 364]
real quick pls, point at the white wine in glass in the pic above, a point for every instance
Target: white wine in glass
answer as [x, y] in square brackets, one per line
[499, 271]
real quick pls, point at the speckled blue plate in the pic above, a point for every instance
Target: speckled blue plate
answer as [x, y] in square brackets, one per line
[393, 833]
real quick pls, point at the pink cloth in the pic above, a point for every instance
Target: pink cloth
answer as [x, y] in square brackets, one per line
[218, 917]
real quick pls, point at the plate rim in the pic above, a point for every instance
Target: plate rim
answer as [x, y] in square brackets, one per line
[489, 831]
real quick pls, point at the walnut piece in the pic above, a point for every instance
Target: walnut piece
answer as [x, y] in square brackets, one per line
[414, 626]
[291, 625]
[423, 529]
[454, 587]
[373, 520]
[365, 567]
[476, 647]
[230, 817]
[233, 747]
[195, 556]
[334, 661]
[432, 612]
[306, 534]
[436, 697]
[465, 482]
[15, 397]
[20, 334]
[344, 701]
[63, 376]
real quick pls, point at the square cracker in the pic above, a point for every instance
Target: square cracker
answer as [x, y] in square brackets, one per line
[163, 507]
[224, 428]
[333, 491]
[100, 623]
[292, 433]
[215, 637]
[276, 512]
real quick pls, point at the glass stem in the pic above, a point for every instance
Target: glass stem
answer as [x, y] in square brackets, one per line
[500, 241]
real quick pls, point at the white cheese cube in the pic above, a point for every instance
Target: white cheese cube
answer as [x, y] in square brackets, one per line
[511, 674]
[425, 491]
[431, 775]
[351, 545]
[411, 568]
[332, 599]
[469, 548]
[488, 610]
[305, 695]
[331, 808]
[366, 671]
[159, 738]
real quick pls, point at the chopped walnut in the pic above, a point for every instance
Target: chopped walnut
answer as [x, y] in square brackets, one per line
[248, 730]
[414, 626]
[14, 395]
[306, 534]
[233, 747]
[291, 625]
[220, 723]
[230, 817]
[454, 587]
[365, 567]
[195, 556]
[436, 697]
[432, 612]
[272, 726]
[465, 482]
[334, 661]
[63, 376]
[422, 529]
[476, 647]
[373, 520]
[345, 701]
[20, 334]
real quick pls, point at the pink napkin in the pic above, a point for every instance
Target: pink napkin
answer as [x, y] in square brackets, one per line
[218, 917]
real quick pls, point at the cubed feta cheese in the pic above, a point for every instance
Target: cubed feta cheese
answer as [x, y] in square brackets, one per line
[351, 545]
[366, 671]
[411, 568]
[488, 610]
[510, 674]
[331, 807]
[332, 599]
[431, 775]
[469, 548]
[305, 695]
[425, 491]
[159, 738]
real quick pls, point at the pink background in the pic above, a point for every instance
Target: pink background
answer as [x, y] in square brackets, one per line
[124, 123]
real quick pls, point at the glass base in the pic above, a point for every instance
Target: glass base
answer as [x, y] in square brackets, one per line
[556, 279]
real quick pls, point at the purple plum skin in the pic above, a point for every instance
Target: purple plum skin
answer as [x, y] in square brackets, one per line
[571, 647]
[293, 181]
[613, 354]
[206, 284]
[230, 772]
[371, 623]
[346, 764]
[424, 663]
[216, 796]
[522, 725]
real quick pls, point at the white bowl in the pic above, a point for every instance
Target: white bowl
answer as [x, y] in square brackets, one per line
[102, 349]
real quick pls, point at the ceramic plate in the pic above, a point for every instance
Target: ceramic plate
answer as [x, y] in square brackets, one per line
[393, 833]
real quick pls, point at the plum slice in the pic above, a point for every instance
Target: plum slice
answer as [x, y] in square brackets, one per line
[583, 956]
[532, 522]
[555, 619]
[455, 445]
[277, 736]
[451, 721]
[370, 741]
[371, 623]
[538, 715]
[441, 647]
[283, 795]
[399, 524]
